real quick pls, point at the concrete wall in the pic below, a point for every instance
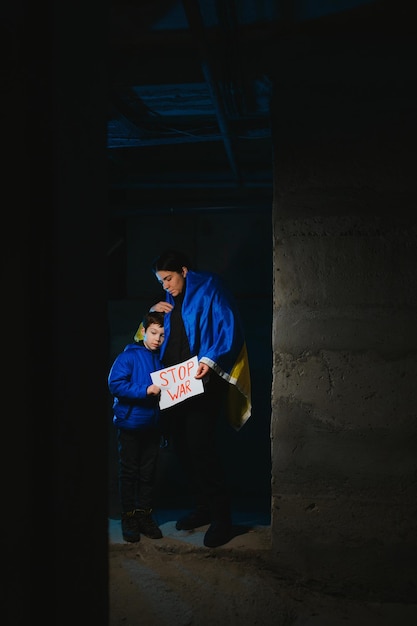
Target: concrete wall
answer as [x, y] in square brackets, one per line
[344, 324]
[54, 347]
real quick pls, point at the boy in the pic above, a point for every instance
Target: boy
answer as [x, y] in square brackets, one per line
[136, 415]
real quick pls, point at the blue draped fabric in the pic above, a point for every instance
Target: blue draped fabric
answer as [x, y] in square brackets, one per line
[215, 334]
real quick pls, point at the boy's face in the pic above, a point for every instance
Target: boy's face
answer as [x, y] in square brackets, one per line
[153, 336]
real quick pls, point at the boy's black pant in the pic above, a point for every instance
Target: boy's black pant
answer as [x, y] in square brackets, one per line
[138, 456]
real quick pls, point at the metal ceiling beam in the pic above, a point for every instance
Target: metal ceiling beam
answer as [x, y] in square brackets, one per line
[168, 209]
[195, 20]
[188, 186]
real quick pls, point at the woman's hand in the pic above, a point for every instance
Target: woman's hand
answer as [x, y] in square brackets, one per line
[202, 370]
[162, 307]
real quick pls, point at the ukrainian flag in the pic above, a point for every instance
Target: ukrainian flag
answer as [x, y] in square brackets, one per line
[215, 334]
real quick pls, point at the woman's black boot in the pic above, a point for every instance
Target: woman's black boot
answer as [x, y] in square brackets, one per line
[220, 529]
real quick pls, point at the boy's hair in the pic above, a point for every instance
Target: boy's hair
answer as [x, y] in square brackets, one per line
[153, 317]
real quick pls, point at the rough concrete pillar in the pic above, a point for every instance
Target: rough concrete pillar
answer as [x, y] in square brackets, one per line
[344, 330]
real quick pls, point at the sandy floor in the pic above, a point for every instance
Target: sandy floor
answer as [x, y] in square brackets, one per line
[177, 581]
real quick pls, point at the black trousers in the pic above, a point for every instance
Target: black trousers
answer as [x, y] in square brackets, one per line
[138, 455]
[191, 428]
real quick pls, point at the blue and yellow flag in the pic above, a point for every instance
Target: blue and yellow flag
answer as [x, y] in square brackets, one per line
[215, 334]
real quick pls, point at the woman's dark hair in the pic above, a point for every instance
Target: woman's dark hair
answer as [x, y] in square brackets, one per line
[172, 261]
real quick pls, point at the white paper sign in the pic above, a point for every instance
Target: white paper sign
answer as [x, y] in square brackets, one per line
[177, 382]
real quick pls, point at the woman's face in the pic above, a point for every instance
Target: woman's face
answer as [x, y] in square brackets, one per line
[173, 282]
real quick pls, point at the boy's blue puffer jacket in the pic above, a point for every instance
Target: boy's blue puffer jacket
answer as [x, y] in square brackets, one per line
[128, 381]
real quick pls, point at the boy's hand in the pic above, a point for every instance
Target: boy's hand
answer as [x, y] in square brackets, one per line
[153, 390]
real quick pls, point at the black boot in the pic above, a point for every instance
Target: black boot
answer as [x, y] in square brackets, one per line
[147, 525]
[130, 527]
[220, 529]
[199, 517]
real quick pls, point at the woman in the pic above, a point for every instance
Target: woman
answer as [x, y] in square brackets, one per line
[201, 318]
